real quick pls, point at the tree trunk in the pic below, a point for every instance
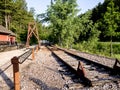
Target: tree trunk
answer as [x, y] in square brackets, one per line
[6, 18]
[60, 43]
[111, 49]
[6, 22]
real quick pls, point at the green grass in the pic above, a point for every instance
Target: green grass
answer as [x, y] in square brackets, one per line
[102, 49]
[109, 42]
[116, 56]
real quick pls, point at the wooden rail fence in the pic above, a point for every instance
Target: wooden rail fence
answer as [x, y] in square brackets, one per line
[19, 60]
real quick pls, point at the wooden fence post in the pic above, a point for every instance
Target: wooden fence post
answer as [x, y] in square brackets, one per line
[16, 74]
[37, 47]
[33, 56]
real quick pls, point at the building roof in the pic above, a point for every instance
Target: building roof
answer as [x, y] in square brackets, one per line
[11, 33]
[6, 31]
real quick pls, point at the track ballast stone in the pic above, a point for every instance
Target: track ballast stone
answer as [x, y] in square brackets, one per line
[42, 74]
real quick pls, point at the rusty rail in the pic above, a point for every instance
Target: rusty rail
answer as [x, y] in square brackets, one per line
[115, 69]
[79, 71]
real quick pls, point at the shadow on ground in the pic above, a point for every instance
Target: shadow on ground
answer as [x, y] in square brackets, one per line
[7, 80]
[42, 85]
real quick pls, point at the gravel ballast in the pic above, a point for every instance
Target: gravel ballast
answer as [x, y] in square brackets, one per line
[46, 73]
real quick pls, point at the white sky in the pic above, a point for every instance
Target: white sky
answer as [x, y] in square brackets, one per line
[41, 5]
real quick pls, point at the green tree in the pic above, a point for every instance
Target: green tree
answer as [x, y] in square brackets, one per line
[15, 16]
[88, 33]
[6, 7]
[20, 19]
[61, 16]
[111, 18]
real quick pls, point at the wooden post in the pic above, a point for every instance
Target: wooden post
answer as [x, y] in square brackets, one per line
[33, 56]
[37, 47]
[80, 69]
[116, 67]
[16, 74]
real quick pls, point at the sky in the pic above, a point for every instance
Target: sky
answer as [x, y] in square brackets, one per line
[40, 6]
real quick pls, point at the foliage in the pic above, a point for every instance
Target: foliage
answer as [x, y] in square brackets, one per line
[88, 33]
[111, 18]
[45, 33]
[101, 23]
[15, 16]
[61, 16]
[64, 26]
[107, 16]
[102, 48]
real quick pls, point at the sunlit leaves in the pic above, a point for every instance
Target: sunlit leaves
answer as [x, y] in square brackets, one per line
[61, 17]
[110, 19]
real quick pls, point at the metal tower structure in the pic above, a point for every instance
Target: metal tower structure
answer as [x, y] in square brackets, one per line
[32, 30]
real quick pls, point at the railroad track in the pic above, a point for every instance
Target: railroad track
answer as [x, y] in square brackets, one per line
[111, 64]
[89, 73]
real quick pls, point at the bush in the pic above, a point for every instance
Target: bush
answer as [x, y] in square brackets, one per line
[116, 48]
[105, 47]
[101, 48]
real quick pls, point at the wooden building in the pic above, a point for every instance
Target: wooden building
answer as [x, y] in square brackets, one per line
[6, 36]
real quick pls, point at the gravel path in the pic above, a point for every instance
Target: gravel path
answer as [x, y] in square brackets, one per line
[6, 56]
[42, 74]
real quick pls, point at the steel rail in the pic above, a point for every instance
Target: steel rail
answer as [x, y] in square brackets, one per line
[112, 69]
[85, 80]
